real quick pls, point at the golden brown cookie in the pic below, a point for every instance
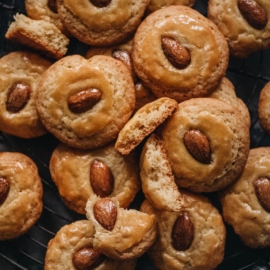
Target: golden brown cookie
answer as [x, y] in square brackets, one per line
[38, 35]
[178, 53]
[207, 141]
[263, 107]
[158, 183]
[143, 122]
[20, 73]
[101, 23]
[244, 23]
[72, 249]
[78, 174]
[20, 194]
[245, 203]
[120, 233]
[85, 103]
[192, 238]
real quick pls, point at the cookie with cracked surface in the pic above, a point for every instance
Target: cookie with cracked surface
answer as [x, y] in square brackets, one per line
[263, 108]
[207, 141]
[20, 194]
[20, 73]
[98, 99]
[72, 249]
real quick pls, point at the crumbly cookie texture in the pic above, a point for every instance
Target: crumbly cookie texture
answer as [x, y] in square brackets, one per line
[38, 35]
[263, 108]
[20, 194]
[192, 238]
[74, 238]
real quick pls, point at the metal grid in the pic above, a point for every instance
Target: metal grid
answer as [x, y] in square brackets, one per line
[28, 251]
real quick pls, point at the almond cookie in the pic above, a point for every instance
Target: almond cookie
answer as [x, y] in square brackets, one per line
[178, 53]
[20, 73]
[263, 108]
[143, 122]
[20, 195]
[72, 249]
[101, 23]
[245, 203]
[78, 174]
[244, 23]
[157, 178]
[207, 141]
[38, 35]
[85, 103]
[192, 238]
[120, 234]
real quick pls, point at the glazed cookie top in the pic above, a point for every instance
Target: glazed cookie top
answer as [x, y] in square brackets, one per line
[245, 204]
[101, 22]
[245, 31]
[20, 194]
[179, 53]
[192, 238]
[20, 73]
[72, 249]
[207, 142]
[85, 103]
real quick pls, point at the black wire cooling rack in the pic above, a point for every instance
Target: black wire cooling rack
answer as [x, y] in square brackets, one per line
[28, 251]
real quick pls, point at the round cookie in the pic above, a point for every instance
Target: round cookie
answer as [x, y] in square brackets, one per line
[207, 141]
[192, 238]
[263, 108]
[244, 24]
[20, 73]
[20, 194]
[78, 174]
[75, 240]
[245, 203]
[101, 23]
[85, 103]
[179, 53]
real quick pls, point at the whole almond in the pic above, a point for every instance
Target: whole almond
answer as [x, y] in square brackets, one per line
[105, 213]
[182, 232]
[198, 146]
[17, 97]
[87, 258]
[101, 178]
[253, 13]
[262, 190]
[4, 189]
[177, 54]
[100, 3]
[84, 100]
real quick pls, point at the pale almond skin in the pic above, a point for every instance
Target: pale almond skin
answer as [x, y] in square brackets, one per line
[182, 232]
[100, 3]
[84, 100]
[101, 179]
[262, 190]
[4, 189]
[105, 212]
[17, 97]
[177, 54]
[253, 13]
[198, 146]
[87, 258]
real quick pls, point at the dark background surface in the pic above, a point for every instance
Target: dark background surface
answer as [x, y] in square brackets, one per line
[28, 251]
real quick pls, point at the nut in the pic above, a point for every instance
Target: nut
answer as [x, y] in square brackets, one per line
[262, 190]
[105, 212]
[101, 179]
[253, 13]
[84, 100]
[87, 258]
[198, 146]
[4, 189]
[52, 5]
[100, 3]
[177, 54]
[182, 232]
[17, 97]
